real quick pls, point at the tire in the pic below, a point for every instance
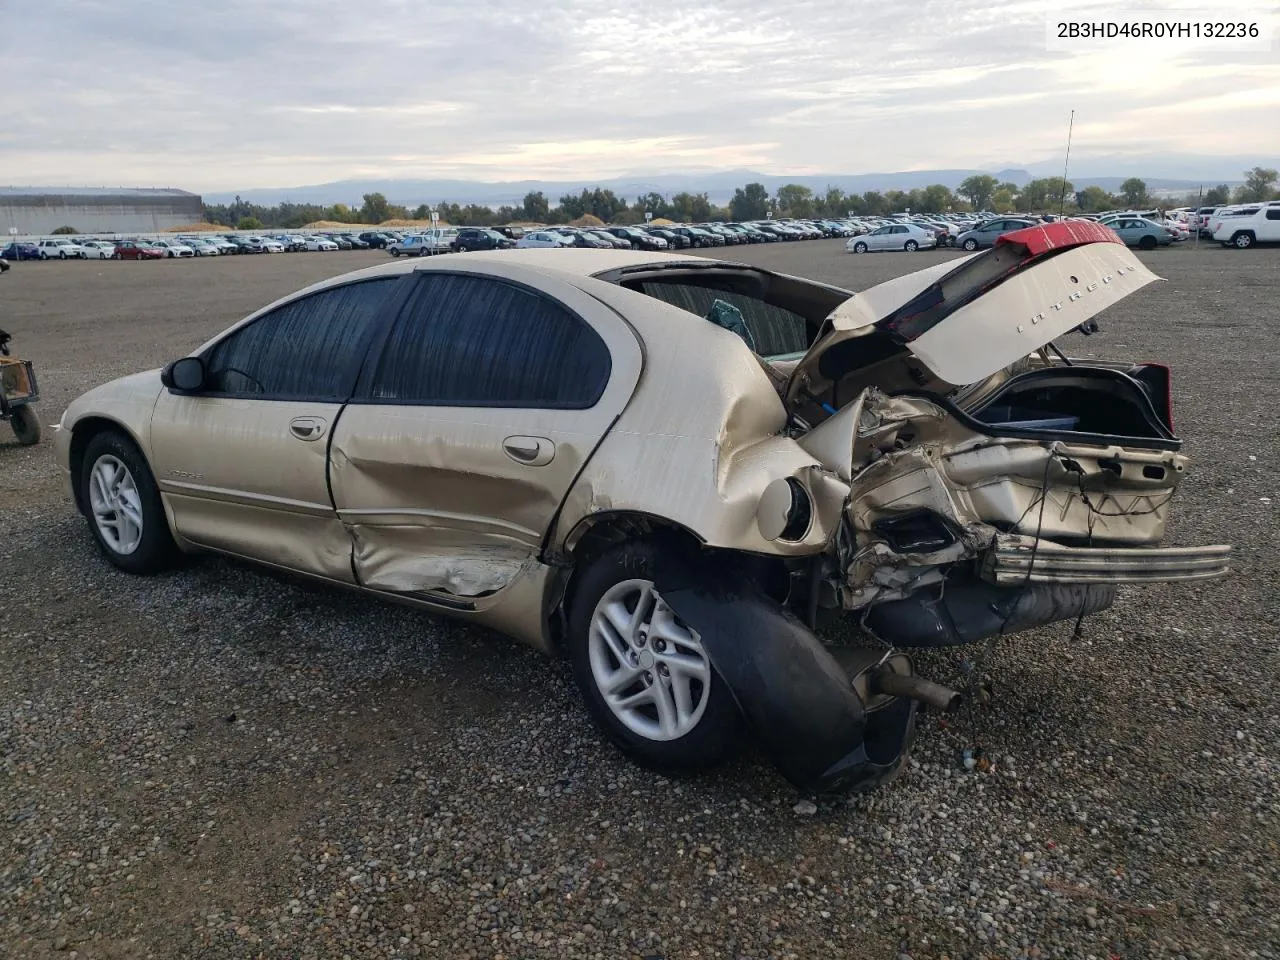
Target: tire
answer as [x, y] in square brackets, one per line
[43, 255]
[970, 244]
[154, 549]
[26, 425]
[1242, 240]
[62, 254]
[710, 731]
[1147, 243]
[859, 247]
[395, 252]
[911, 246]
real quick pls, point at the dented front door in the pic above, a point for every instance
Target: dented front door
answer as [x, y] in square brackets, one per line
[469, 426]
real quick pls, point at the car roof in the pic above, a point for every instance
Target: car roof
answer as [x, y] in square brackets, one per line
[574, 262]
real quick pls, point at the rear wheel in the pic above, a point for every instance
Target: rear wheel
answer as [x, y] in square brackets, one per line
[123, 506]
[911, 246]
[1147, 243]
[647, 682]
[26, 425]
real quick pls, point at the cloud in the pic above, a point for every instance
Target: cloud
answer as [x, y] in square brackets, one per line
[241, 93]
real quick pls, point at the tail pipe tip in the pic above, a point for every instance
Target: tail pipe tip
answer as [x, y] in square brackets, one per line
[894, 684]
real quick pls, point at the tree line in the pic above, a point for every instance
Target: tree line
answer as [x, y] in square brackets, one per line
[750, 202]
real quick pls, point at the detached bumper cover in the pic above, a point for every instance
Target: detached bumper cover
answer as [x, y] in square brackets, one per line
[1014, 560]
[800, 703]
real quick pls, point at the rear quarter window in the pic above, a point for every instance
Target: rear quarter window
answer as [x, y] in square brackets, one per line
[775, 330]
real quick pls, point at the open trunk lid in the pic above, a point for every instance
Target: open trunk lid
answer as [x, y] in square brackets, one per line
[966, 319]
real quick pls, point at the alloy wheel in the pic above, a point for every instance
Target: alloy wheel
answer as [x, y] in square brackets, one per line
[115, 504]
[649, 667]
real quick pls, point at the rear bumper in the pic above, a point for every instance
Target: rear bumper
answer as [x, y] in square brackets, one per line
[1014, 560]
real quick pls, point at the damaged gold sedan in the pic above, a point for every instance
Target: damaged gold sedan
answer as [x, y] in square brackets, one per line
[674, 470]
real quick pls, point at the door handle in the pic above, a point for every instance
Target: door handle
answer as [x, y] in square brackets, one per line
[307, 428]
[531, 451]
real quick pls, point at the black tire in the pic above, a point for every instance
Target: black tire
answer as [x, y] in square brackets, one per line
[395, 252]
[43, 255]
[1147, 243]
[62, 254]
[156, 551]
[859, 247]
[716, 734]
[911, 246]
[26, 425]
[1242, 240]
[970, 244]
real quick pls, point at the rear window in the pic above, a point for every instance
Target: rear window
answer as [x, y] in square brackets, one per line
[776, 332]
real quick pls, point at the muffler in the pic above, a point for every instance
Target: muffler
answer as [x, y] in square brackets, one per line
[893, 684]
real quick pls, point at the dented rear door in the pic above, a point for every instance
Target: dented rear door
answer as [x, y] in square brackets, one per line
[469, 424]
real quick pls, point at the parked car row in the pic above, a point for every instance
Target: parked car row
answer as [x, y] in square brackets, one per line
[1240, 226]
[176, 247]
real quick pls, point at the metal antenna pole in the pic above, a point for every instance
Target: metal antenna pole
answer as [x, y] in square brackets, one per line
[1062, 199]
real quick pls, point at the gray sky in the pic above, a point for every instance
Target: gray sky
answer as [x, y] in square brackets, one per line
[219, 94]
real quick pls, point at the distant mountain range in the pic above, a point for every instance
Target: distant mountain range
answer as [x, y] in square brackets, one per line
[1162, 173]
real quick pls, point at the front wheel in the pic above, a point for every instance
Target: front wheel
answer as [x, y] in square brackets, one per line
[62, 254]
[647, 682]
[859, 247]
[395, 252]
[1242, 240]
[911, 246]
[122, 503]
[970, 244]
[26, 425]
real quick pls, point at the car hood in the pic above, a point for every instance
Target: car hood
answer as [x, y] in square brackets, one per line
[969, 318]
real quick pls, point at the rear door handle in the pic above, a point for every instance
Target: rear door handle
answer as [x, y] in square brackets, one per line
[530, 451]
[307, 428]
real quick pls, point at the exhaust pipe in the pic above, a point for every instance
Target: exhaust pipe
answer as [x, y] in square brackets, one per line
[894, 684]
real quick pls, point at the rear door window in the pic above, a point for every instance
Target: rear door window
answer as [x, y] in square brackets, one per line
[472, 341]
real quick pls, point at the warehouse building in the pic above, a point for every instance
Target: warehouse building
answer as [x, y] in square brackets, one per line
[41, 210]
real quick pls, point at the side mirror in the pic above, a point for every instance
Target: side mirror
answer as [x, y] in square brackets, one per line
[185, 375]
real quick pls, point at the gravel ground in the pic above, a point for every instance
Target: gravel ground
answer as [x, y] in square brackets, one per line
[223, 763]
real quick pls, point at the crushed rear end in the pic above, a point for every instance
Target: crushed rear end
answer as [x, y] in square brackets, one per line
[987, 484]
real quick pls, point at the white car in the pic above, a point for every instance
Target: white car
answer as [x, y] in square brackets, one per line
[895, 236]
[544, 238]
[222, 245]
[319, 243]
[1248, 225]
[172, 248]
[61, 249]
[265, 244]
[203, 248]
[98, 249]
